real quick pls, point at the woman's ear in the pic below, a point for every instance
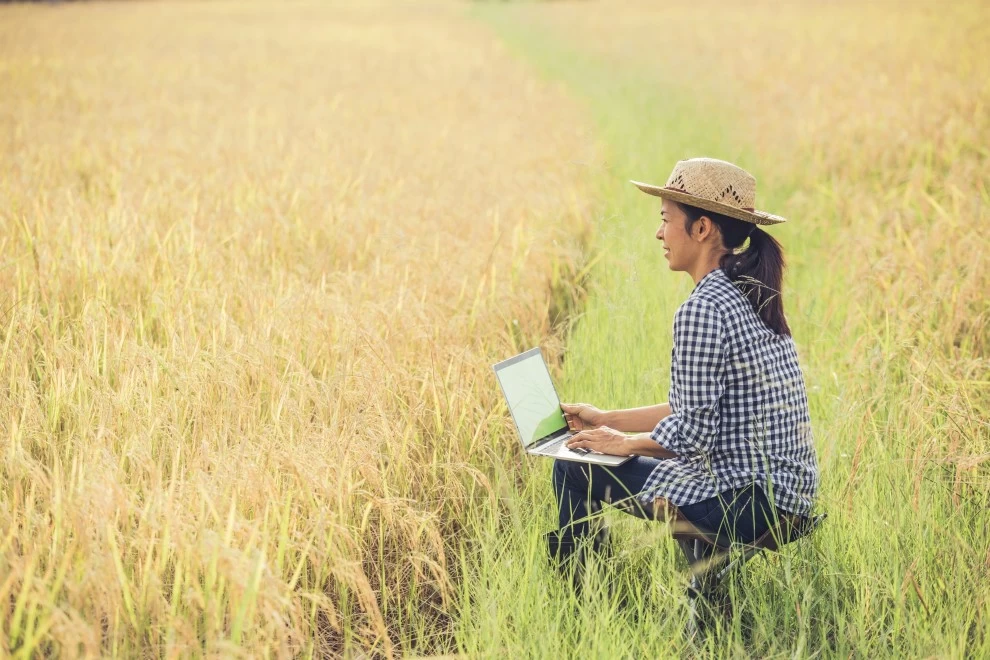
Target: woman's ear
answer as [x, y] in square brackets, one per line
[706, 228]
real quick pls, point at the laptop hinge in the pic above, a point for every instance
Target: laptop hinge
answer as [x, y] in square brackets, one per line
[550, 438]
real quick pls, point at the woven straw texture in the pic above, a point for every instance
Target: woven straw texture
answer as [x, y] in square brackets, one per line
[714, 185]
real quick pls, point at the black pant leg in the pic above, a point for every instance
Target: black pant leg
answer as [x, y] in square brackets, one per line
[582, 487]
[741, 514]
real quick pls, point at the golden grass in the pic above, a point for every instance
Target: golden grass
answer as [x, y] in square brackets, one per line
[257, 261]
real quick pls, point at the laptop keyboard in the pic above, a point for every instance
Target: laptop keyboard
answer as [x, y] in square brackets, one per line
[554, 446]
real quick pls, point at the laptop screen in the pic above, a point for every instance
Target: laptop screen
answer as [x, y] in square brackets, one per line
[532, 398]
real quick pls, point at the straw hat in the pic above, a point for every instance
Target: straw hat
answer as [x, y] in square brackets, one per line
[716, 186]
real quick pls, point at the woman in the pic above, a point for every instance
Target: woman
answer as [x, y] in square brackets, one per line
[733, 446]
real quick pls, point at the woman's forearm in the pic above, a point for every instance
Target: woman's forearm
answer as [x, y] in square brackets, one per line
[637, 420]
[644, 445]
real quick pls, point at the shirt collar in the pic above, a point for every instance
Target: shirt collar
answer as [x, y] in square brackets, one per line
[706, 279]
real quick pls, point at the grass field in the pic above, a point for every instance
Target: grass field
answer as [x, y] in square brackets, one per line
[258, 258]
[868, 128]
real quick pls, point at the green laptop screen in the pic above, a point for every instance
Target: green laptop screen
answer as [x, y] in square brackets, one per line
[532, 398]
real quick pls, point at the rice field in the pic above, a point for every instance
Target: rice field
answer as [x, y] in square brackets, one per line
[256, 262]
[258, 257]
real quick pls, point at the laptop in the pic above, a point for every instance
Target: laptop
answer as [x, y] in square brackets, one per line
[535, 409]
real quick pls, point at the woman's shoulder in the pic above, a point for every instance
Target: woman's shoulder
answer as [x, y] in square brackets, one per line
[718, 298]
[715, 294]
[699, 304]
[701, 315]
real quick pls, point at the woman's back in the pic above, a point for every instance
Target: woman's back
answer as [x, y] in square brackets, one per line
[763, 429]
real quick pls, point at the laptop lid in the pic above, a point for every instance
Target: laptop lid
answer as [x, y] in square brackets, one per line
[533, 401]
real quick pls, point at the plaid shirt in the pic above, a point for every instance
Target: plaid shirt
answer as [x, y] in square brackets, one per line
[739, 408]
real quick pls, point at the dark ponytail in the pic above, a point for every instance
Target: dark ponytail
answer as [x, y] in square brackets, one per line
[758, 270]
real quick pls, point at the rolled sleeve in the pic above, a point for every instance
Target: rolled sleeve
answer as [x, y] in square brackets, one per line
[697, 382]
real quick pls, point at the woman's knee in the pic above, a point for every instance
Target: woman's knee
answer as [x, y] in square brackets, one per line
[751, 513]
[571, 472]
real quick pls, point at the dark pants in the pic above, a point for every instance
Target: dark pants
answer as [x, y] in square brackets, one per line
[742, 514]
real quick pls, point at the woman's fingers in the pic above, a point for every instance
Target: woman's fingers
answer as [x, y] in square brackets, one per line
[565, 408]
[602, 440]
[574, 421]
[583, 439]
[573, 415]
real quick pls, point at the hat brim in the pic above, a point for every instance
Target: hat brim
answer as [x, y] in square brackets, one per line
[756, 217]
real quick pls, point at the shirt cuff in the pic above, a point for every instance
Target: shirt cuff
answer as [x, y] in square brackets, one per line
[665, 433]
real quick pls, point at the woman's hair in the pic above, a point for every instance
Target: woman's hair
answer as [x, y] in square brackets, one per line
[758, 270]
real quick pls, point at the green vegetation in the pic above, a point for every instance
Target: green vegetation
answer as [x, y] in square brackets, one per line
[902, 566]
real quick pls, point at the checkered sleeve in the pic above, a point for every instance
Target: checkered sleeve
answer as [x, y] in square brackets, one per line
[697, 381]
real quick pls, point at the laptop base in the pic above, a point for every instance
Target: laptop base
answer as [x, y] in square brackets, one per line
[558, 449]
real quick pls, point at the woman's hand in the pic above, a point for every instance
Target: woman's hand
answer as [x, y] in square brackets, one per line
[582, 416]
[603, 440]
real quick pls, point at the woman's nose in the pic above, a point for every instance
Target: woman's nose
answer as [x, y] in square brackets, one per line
[660, 233]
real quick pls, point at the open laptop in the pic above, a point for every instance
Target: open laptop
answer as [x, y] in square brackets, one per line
[535, 408]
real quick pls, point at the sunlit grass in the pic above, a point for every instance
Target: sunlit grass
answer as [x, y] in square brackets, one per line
[257, 260]
[259, 257]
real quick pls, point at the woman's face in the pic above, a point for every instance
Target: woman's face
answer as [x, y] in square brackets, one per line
[678, 248]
